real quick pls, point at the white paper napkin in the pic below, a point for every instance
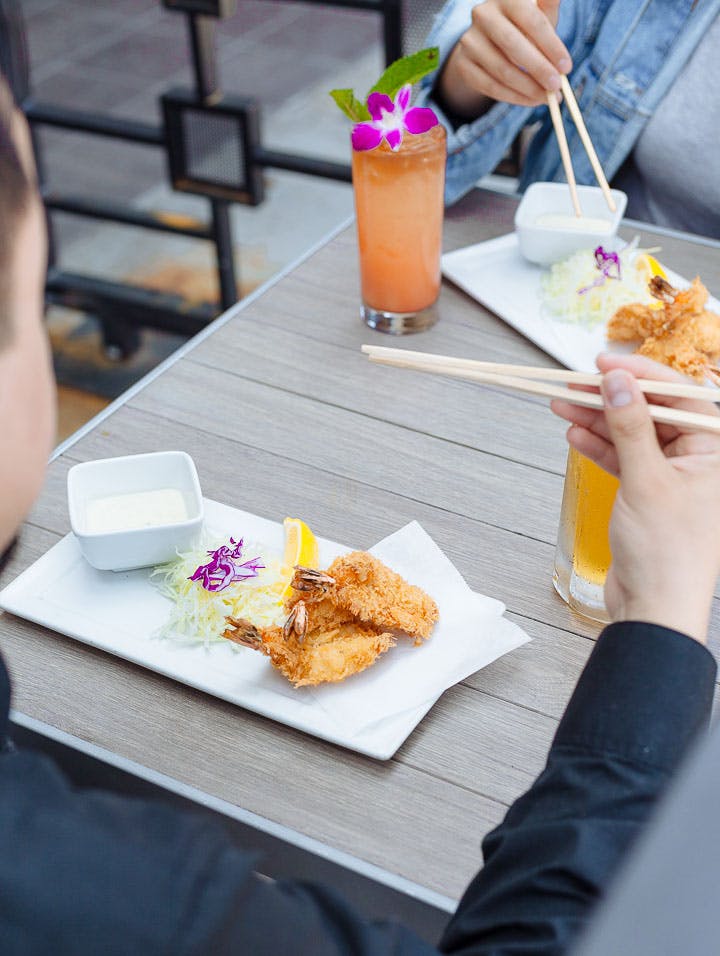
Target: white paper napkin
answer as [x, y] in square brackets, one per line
[471, 633]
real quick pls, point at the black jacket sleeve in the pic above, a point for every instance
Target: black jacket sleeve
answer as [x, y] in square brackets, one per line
[644, 694]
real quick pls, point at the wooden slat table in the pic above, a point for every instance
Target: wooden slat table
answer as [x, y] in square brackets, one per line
[283, 415]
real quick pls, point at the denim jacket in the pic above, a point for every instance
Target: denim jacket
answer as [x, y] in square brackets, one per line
[626, 55]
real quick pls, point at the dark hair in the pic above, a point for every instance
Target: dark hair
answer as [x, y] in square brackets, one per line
[15, 191]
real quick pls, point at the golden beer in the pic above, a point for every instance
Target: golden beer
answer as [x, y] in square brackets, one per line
[583, 554]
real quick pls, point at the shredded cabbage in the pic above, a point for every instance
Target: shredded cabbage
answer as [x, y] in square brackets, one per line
[198, 615]
[571, 291]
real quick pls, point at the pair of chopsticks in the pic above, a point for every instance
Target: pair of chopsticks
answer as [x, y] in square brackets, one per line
[556, 116]
[539, 381]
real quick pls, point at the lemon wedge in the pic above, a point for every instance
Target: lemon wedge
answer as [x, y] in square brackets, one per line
[301, 547]
[648, 266]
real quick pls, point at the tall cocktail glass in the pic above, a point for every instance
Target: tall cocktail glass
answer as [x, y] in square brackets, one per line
[582, 557]
[399, 211]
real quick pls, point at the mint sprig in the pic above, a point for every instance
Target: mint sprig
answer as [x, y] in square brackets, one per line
[409, 69]
[351, 107]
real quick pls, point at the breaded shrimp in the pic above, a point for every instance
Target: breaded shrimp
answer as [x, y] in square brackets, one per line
[681, 333]
[361, 585]
[679, 354]
[339, 620]
[690, 301]
[319, 656]
[706, 333]
[635, 322]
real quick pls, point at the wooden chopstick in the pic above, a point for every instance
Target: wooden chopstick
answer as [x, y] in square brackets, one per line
[651, 386]
[572, 105]
[469, 371]
[557, 122]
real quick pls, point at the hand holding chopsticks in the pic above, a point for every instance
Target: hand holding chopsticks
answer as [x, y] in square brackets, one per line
[541, 381]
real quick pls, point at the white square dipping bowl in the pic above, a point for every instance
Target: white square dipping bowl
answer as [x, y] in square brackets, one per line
[545, 243]
[153, 543]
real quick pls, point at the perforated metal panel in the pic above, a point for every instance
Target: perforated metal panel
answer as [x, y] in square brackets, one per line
[211, 146]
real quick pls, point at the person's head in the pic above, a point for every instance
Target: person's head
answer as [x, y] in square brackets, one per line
[27, 395]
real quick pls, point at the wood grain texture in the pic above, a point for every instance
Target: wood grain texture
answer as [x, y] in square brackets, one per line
[283, 415]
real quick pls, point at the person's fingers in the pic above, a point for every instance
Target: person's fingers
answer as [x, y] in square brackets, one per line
[590, 418]
[491, 72]
[518, 43]
[631, 429]
[538, 22]
[692, 443]
[480, 81]
[639, 365]
[594, 420]
[594, 447]
[646, 368]
[551, 9]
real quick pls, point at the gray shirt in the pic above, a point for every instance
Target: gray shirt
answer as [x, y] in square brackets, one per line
[673, 175]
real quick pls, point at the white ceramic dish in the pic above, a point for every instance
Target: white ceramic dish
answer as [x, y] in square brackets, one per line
[94, 482]
[121, 614]
[498, 276]
[544, 243]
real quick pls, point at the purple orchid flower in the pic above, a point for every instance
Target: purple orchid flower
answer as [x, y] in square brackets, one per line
[223, 570]
[390, 120]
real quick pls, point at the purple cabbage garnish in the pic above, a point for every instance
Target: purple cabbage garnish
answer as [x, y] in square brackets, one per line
[610, 268]
[225, 568]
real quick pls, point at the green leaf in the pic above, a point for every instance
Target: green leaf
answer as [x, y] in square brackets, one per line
[409, 69]
[351, 107]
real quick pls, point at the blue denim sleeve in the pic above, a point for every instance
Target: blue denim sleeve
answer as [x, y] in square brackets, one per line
[644, 695]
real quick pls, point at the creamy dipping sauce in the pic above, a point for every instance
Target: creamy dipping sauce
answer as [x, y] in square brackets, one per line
[554, 220]
[136, 509]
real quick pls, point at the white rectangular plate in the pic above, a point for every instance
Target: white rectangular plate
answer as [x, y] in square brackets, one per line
[496, 275]
[120, 612]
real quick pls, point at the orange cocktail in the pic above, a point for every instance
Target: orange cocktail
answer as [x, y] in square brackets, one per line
[582, 558]
[399, 210]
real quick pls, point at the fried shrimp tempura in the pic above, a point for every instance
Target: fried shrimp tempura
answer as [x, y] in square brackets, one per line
[633, 322]
[340, 620]
[677, 353]
[320, 656]
[681, 333]
[368, 591]
[681, 303]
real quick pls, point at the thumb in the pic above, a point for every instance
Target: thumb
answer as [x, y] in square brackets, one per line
[551, 9]
[631, 429]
